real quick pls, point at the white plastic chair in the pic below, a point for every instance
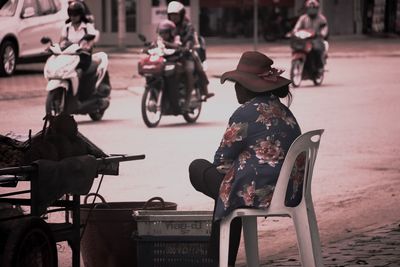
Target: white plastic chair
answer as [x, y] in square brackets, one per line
[303, 214]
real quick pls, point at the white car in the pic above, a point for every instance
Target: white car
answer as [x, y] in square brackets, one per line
[22, 24]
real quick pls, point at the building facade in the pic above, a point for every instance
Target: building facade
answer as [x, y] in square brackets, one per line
[121, 21]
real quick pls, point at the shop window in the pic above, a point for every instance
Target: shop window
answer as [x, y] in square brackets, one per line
[31, 4]
[45, 7]
[103, 15]
[130, 15]
[114, 16]
[57, 5]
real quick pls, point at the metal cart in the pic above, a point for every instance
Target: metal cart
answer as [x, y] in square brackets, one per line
[70, 229]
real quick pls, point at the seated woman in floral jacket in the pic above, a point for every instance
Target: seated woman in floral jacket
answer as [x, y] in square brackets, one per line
[250, 156]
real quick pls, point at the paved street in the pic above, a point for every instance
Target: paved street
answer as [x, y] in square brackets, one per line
[355, 186]
[376, 247]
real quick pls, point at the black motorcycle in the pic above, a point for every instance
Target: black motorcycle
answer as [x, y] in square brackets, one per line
[165, 89]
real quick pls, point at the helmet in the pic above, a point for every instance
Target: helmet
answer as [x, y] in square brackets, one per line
[165, 26]
[175, 7]
[76, 8]
[312, 4]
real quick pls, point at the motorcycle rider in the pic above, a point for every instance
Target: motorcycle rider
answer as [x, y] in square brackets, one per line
[74, 32]
[188, 36]
[167, 37]
[315, 21]
[79, 30]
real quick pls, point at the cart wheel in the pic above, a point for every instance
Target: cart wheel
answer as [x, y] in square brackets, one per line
[31, 243]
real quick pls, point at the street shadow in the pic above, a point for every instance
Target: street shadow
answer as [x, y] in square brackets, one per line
[21, 72]
[191, 125]
[312, 86]
[102, 121]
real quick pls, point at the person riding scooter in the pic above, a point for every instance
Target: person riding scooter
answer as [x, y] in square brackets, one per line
[75, 32]
[166, 34]
[79, 30]
[313, 20]
[188, 36]
[166, 37]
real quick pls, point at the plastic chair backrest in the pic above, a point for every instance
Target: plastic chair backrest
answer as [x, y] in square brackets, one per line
[309, 144]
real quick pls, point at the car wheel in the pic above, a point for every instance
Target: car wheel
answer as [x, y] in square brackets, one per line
[8, 58]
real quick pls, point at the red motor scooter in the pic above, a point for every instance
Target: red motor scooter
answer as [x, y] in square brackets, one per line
[162, 69]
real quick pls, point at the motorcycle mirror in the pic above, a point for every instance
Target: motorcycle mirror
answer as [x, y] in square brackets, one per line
[45, 40]
[142, 37]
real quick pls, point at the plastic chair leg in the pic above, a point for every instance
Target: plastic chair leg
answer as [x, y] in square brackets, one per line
[308, 236]
[225, 226]
[251, 240]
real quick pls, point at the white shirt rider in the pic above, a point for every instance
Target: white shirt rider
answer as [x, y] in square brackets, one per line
[74, 35]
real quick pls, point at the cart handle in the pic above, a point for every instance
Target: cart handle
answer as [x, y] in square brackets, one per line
[120, 158]
[106, 160]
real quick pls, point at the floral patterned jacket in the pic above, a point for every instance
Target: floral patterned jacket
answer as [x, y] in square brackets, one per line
[252, 151]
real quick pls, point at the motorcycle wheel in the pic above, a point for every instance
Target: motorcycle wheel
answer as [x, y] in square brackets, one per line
[195, 107]
[151, 107]
[55, 101]
[296, 72]
[318, 79]
[31, 243]
[96, 116]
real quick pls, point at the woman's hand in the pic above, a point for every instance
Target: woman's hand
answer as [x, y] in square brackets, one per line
[65, 43]
[86, 45]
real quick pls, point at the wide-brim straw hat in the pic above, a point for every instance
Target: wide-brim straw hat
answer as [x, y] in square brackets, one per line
[255, 73]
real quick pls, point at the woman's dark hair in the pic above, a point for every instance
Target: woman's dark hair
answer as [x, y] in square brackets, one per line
[281, 92]
[77, 8]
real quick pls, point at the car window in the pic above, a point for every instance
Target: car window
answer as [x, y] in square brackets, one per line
[57, 5]
[31, 5]
[8, 8]
[45, 7]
